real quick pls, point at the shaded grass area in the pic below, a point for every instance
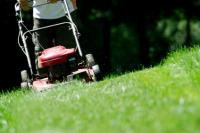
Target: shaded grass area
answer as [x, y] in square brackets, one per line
[163, 99]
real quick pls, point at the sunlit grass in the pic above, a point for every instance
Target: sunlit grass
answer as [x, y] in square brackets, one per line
[162, 99]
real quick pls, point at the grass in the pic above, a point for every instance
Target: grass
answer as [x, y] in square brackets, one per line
[162, 99]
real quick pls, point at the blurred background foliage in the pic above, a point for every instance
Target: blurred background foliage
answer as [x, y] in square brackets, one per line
[130, 36]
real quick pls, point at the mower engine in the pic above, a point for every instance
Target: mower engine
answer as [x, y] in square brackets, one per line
[55, 55]
[59, 61]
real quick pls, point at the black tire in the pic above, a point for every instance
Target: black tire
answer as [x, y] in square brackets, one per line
[90, 60]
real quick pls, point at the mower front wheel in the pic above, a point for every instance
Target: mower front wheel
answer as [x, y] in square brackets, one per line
[25, 79]
[24, 85]
[90, 60]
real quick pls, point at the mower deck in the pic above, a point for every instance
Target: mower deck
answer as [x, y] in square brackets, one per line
[85, 74]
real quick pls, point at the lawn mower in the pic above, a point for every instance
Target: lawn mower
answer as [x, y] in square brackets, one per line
[71, 61]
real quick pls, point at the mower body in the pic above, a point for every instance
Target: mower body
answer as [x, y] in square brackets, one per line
[60, 63]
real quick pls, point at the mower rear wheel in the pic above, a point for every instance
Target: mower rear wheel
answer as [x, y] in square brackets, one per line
[96, 69]
[90, 60]
[24, 76]
[97, 72]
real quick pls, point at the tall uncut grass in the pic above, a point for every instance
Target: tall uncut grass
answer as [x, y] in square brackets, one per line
[162, 99]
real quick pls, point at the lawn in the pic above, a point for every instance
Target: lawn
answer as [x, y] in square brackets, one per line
[161, 99]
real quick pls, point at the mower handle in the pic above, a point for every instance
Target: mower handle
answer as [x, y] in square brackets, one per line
[45, 27]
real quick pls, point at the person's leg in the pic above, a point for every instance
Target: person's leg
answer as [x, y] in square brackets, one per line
[63, 35]
[42, 40]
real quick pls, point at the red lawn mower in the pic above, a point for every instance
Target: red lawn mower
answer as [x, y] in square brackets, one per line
[74, 64]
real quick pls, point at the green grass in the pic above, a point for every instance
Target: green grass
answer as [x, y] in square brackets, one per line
[162, 99]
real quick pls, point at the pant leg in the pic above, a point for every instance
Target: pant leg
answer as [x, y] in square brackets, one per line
[64, 36]
[42, 39]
